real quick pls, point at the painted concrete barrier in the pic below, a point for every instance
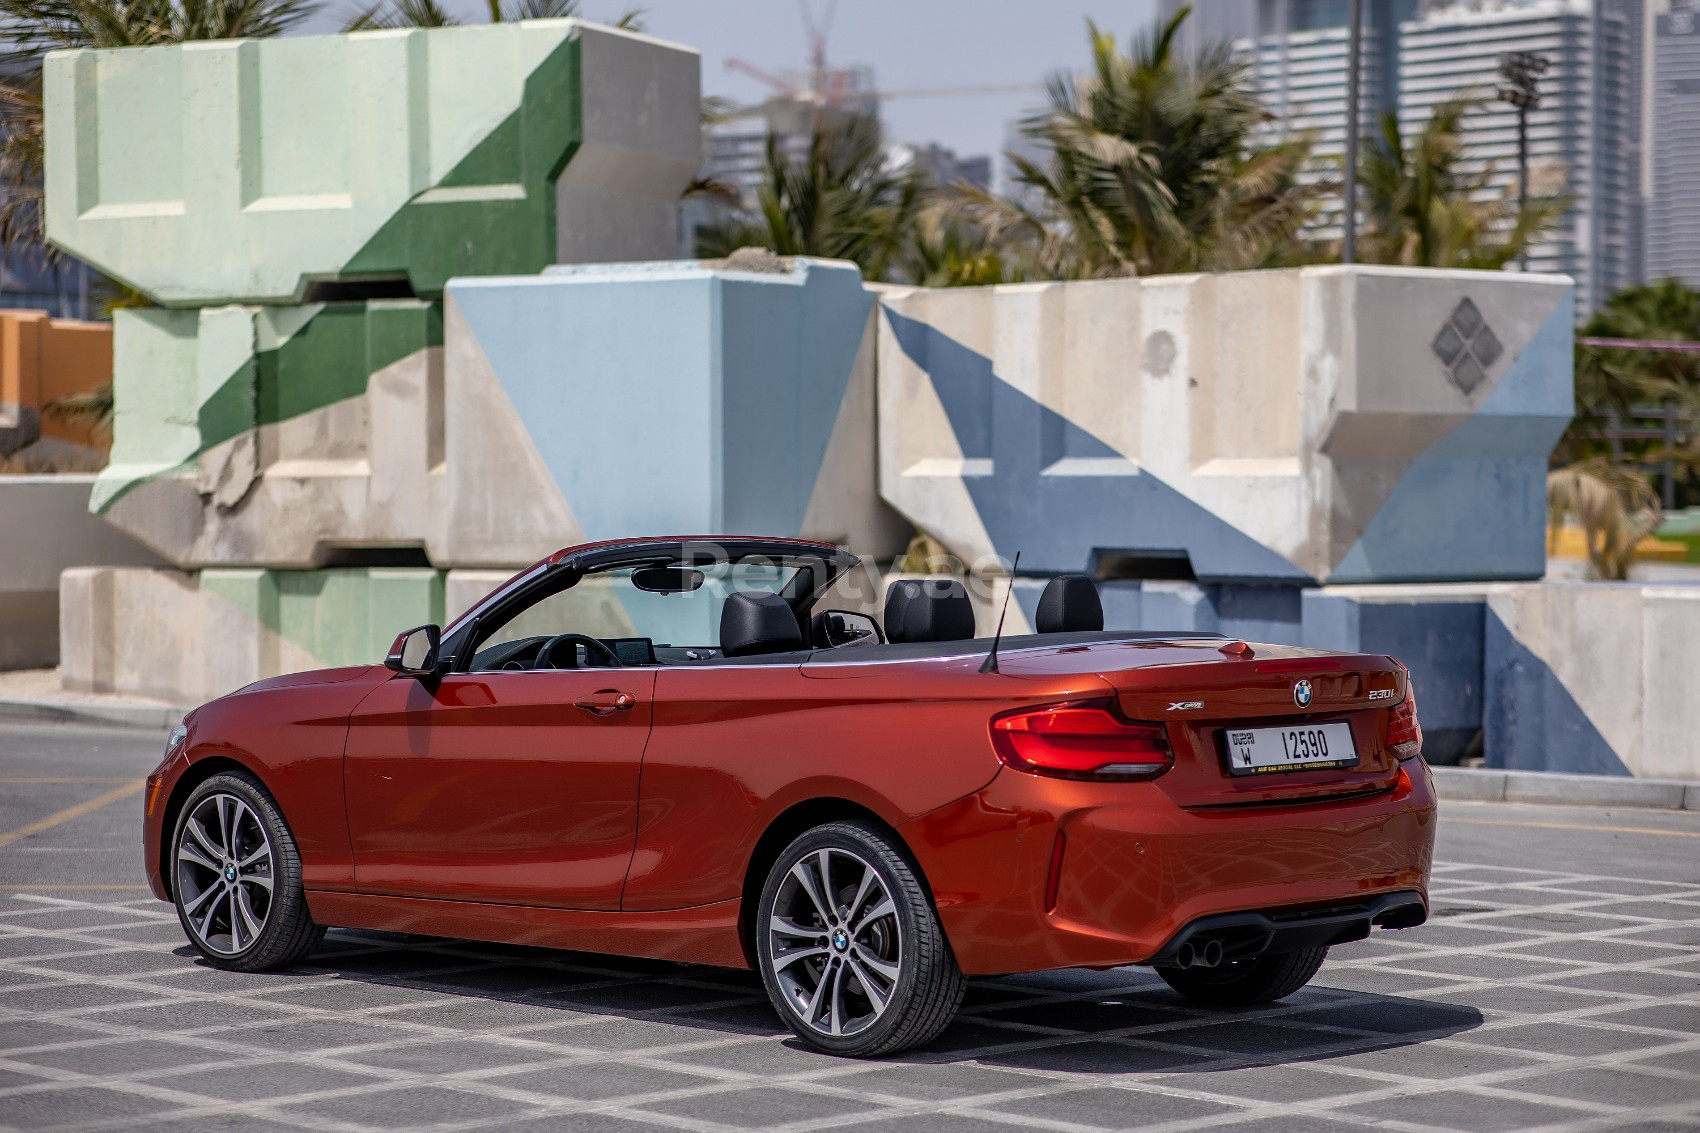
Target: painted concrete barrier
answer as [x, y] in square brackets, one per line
[46, 527]
[590, 403]
[1317, 425]
[275, 436]
[185, 637]
[234, 171]
[1594, 677]
[42, 360]
[1491, 786]
[599, 402]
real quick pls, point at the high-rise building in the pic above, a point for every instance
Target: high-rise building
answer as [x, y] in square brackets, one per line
[1581, 130]
[1589, 127]
[1673, 213]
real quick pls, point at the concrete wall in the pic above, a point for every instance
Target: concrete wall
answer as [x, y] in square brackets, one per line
[44, 359]
[602, 402]
[1594, 677]
[186, 637]
[276, 436]
[45, 526]
[233, 171]
[1294, 427]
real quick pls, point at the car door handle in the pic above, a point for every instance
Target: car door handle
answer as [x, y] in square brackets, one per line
[606, 702]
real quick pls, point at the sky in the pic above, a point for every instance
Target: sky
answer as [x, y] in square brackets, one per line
[909, 43]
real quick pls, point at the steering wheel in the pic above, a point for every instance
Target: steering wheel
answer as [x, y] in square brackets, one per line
[567, 643]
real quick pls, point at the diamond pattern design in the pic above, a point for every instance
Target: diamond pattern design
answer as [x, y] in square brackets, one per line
[1467, 346]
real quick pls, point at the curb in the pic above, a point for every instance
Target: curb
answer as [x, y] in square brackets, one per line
[1492, 786]
[151, 717]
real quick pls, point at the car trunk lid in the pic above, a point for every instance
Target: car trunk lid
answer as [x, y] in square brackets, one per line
[1207, 691]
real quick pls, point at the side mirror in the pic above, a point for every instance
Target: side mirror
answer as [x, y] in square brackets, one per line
[833, 628]
[414, 653]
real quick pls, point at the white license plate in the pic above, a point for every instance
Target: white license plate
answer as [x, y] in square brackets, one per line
[1252, 751]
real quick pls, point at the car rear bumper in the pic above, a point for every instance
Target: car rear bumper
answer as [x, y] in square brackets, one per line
[1227, 937]
[1134, 871]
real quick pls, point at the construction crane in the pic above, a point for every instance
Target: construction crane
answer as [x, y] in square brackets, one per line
[831, 88]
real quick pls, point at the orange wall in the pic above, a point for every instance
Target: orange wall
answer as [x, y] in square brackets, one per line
[42, 359]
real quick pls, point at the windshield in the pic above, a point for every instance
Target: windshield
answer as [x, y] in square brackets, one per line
[641, 626]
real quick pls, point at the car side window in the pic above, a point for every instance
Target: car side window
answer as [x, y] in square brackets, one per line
[637, 625]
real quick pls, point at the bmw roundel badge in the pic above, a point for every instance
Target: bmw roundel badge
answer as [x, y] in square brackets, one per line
[1301, 693]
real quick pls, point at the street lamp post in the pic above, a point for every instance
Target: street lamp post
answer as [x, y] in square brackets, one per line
[1520, 76]
[1354, 63]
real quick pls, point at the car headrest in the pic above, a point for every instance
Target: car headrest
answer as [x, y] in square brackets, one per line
[752, 624]
[928, 609]
[1069, 605]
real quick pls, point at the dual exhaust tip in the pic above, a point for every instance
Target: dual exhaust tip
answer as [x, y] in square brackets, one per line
[1205, 955]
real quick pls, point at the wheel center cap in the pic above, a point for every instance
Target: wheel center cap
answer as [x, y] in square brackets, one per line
[841, 940]
[230, 873]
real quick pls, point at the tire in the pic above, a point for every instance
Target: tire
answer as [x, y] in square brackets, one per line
[236, 877]
[871, 972]
[1244, 983]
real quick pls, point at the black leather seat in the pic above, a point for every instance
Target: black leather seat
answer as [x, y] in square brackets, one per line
[1069, 604]
[753, 624]
[928, 609]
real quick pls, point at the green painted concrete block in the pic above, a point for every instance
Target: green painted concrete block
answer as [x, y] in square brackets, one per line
[345, 616]
[247, 170]
[186, 382]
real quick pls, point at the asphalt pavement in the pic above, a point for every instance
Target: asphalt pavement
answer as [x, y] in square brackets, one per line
[1556, 987]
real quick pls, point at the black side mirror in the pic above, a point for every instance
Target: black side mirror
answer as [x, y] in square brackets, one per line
[832, 628]
[414, 653]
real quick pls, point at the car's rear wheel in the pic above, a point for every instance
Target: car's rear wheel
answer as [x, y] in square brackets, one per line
[1242, 983]
[236, 877]
[850, 947]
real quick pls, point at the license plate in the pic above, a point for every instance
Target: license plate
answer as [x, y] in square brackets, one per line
[1253, 751]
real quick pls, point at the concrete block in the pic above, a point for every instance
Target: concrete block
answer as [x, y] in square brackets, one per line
[1290, 427]
[1469, 784]
[232, 171]
[186, 637]
[601, 402]
[47, 529]
[276, 436]
[1592, 677]
[1592, 790]
[1691, 797]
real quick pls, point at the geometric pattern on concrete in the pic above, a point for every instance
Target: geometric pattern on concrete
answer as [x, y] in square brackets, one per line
[658, 398]
[1564, 1000]
[1580, 676]
[232, 172]
[1275, 426]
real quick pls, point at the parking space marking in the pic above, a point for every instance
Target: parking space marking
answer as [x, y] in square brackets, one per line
[130, 787]
[379, 1030]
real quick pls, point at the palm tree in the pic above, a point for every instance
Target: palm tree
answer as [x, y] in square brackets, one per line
[1612, 380]
[31, 28]
[431, 14]
[1428, 205]
[842, 200]
[1153, 165]
[1613, 505]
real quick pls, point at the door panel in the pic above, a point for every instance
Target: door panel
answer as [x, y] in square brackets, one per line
[498, 786]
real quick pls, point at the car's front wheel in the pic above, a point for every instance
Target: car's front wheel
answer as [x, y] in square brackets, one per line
[850, 947]
[236, 877]
[1243, 983]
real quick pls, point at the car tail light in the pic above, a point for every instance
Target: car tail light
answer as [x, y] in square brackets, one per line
[1080, 741]
[1404, 734]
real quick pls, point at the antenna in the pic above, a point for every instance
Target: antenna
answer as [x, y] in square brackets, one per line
[990, 664]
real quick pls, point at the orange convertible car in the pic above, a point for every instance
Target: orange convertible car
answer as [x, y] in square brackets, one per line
[676, 748]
